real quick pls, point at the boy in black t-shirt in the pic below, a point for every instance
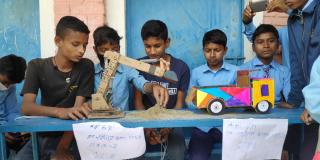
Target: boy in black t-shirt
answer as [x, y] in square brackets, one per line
[65, 81]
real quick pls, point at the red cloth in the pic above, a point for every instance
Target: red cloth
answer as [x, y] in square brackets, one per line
[316, 156]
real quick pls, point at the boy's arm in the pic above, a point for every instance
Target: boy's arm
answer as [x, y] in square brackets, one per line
[159, 93]
[249, 27]
[295, 96]
[11, 105]
[142, 85]
[183, 87]
[180, 100]
[249, 30]
[138, 100]
[311, 92]
[286, 84]
[285, 89]
[193, 82]
[29, 107]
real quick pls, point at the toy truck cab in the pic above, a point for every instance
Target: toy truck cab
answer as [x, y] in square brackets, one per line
[254, 93]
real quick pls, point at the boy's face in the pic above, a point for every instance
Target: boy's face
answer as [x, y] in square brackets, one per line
[265, 45]
[106, 47]
[214, 54]
[6, 83]
[294, 4]
[73, 45]
[155, 47]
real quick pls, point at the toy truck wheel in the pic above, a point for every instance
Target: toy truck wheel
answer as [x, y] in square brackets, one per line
[215, 106]
[263, 107]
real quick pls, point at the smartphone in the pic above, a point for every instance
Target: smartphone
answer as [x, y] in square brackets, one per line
[258, 5]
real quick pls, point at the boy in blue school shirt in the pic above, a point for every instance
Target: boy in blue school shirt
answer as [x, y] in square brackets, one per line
[107, 39]
[282, 55]
[265, 42]
[154, 34]
[311, 93]
[215, 72]
[12, 71]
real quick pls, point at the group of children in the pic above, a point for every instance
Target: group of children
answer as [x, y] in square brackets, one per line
[73, 79]
[67, 80]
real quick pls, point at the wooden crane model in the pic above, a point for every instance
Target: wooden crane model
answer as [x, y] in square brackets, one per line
[101, 100]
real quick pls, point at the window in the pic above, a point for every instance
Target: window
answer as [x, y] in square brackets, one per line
[264, 90]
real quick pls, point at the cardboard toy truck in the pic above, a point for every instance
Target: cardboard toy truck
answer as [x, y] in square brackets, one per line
[249, 92]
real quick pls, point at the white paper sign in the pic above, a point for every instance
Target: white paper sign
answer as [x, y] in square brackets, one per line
[108, 140]
[253, 139]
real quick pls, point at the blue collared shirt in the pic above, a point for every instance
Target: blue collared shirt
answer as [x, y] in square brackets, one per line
[204, 76]
[307, 4]
[283, 38]
[311, 92]
[9, 108]
[120, 84]
[304, 31]
[279, 73]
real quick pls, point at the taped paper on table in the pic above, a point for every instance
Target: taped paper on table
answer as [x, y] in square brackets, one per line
[108, 140]
[258, 139]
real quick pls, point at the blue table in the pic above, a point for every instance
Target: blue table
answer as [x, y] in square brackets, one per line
[35, 125]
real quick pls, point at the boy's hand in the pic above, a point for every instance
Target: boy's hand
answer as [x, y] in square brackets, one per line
[285, 105]
[164, 132]
[10, 138]
[306, 118]
[164, 64]
[248, 15]
[62, 154]
[277, 6]
[152, 137]
[160, 94]
[75, 113]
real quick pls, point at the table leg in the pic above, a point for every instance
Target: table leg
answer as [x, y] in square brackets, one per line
[35, 146]
[3, 150]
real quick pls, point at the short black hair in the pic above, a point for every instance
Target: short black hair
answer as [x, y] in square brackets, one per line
[215, 36]
[154, 28]
[14, 67]
[72, 23]
[105, 34]
[265, 28]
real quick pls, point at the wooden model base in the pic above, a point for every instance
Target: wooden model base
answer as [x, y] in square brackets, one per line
[105, 114]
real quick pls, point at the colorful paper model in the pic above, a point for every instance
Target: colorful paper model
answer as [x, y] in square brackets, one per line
[254, 93]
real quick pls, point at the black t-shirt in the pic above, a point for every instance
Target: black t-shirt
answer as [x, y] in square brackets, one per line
[183, 74]
[57, 88]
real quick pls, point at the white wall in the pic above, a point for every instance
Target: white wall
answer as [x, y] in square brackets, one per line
[116, 18]
[247, 48]
[47, 28]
